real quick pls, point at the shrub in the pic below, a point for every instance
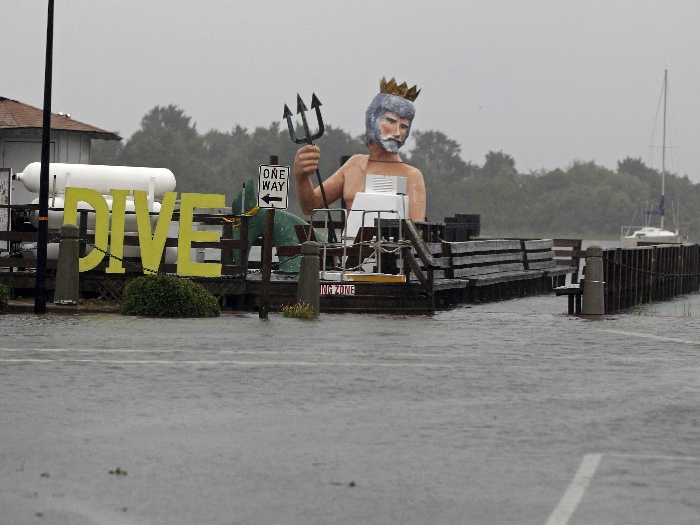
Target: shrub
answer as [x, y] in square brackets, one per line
[168, 296]
[4, 296]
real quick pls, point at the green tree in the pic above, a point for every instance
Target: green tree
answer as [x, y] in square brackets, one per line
[106, 152]
[498, 163]
[437, 153]
[167, 139]
[637, 168]
[445, 173]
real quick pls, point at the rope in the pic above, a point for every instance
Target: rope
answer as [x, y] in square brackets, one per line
[237, 221]
[124, 261]
[290, 258]
[379, 248]
[158, 272]
[649, 272]
[400, 245]
[28, 249]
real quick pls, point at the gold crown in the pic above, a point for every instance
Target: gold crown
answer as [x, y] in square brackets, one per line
[400, 90]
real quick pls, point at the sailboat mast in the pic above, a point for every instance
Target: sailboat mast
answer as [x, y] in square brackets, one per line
[663, 154]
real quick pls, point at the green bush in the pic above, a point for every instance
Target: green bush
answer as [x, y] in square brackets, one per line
[4, 296]
[167, 296]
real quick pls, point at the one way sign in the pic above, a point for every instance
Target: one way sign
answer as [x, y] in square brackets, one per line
[273, 186]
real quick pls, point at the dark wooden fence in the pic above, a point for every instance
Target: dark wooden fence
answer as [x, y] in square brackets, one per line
[644, 275]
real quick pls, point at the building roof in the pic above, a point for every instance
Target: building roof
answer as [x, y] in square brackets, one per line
[16, 115]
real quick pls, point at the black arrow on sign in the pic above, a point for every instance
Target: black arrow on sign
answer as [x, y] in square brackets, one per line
[267, 199]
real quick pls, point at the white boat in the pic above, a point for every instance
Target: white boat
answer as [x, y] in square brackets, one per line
[633, 236]
[652, 235]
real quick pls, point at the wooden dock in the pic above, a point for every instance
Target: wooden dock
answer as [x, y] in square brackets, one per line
[438, 274]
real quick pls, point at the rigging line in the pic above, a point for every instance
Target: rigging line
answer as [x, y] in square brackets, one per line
[659, 108]
[670, 132]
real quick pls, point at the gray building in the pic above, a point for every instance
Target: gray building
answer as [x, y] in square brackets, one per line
[20, 140]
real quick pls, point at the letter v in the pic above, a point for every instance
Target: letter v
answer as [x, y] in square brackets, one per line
[152, 245]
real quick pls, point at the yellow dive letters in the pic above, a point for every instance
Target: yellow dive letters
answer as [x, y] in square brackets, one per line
[151, 243]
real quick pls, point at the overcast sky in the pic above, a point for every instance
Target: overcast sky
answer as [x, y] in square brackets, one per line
[548, 82]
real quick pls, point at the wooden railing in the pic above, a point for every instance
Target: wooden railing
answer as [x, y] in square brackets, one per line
[488, 270]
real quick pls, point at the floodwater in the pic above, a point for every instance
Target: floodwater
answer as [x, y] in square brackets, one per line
[504, 413]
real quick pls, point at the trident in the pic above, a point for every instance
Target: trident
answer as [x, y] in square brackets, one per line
[308, 138]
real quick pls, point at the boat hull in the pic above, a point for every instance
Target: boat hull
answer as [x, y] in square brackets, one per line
[650, 235]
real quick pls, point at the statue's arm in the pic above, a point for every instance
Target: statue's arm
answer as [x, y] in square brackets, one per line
[416, 196]
[310, 198]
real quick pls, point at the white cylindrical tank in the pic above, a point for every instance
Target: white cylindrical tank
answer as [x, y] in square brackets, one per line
[29, 251]
[56, 216]
[99, 178]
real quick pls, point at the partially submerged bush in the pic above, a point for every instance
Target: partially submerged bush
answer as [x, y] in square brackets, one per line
[4, 297]
[168, 296]
[300, 310]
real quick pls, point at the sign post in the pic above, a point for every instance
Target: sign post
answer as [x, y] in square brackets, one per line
[273, 186]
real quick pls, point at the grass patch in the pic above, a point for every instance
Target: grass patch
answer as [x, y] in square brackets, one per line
[4, 298]
[300, 310]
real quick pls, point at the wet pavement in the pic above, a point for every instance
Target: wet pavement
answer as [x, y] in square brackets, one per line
[505, 413]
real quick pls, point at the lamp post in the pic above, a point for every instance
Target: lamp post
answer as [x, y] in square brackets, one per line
[43, 226]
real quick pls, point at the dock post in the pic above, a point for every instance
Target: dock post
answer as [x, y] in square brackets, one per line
[594, 285]
[266, 270]
[67, 275]
[308, 287]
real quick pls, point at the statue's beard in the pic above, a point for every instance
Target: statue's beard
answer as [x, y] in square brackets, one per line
[389, 144]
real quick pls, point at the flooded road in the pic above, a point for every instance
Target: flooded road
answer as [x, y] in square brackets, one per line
[491, 414]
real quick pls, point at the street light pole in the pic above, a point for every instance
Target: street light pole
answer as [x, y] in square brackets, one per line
[43, 226]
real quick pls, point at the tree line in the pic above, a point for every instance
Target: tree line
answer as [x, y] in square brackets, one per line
[583, 200]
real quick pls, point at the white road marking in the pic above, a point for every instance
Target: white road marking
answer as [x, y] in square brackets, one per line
[577, 488]
[229, 362]
[294, 353]
[402, 359]
[175, 351]
[652, 336]
[652, 457]
[235, 362]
